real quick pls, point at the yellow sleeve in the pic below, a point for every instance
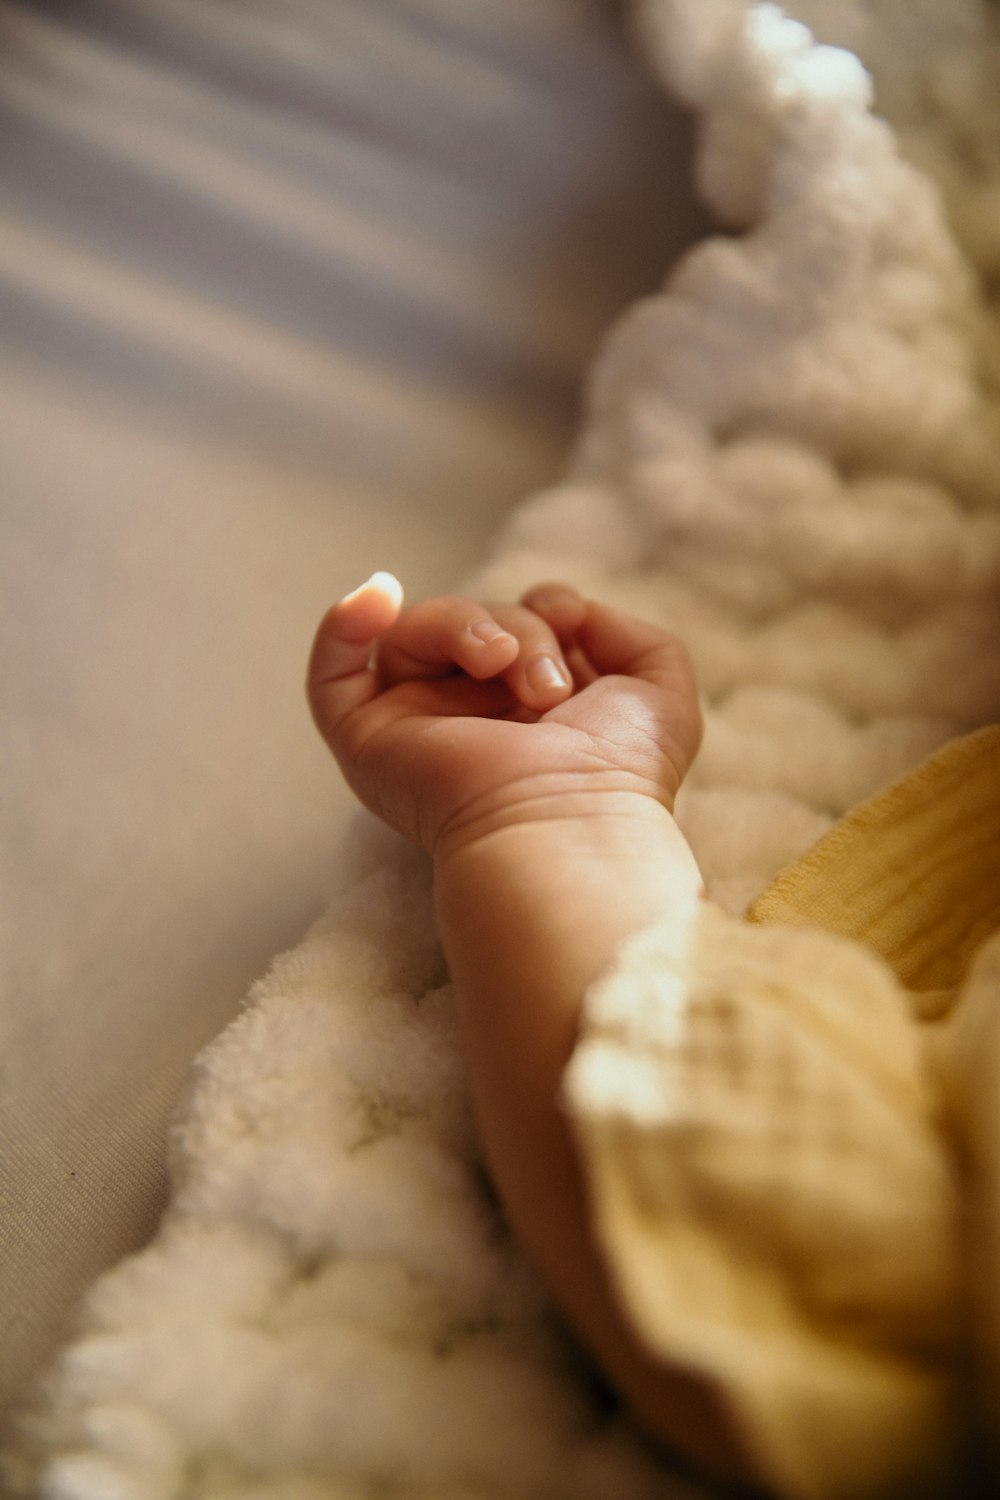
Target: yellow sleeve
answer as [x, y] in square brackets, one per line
[772, 1194]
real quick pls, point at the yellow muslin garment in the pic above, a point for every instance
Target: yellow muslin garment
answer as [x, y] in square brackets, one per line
[914, 873]
[790, 1129]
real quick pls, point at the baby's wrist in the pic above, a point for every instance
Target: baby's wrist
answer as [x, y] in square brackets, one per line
[563, 810]
[589, 852]
[566, 882]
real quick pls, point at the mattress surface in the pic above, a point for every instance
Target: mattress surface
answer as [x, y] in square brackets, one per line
[287, 293]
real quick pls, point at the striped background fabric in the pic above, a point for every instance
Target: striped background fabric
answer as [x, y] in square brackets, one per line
[288, 292]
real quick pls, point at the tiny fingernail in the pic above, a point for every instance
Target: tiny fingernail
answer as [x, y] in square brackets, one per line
[387, 583]
[488, 631]
[545, 673]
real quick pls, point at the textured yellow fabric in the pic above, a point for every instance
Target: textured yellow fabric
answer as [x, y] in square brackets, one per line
[768, 1131]
[913, 873]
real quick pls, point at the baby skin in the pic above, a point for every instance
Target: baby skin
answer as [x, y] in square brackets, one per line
[534, 750]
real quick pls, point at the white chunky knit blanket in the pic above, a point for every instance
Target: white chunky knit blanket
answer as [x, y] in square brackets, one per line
[791, 455]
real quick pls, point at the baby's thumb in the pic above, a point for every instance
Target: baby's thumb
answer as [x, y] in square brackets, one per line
[340, 677]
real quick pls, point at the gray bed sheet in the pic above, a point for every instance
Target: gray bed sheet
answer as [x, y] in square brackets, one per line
[288, 292]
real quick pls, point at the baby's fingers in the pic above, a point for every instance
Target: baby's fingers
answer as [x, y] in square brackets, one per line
[340, 678]
[561, 607]
[438, 636]
[506, 641]
[618, 645]
[564, 610]
[539, 678]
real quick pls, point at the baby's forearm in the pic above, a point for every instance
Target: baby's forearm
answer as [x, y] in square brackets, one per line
[530, 915]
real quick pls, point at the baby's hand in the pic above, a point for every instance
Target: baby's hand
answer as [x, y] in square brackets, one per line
[453, 719]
